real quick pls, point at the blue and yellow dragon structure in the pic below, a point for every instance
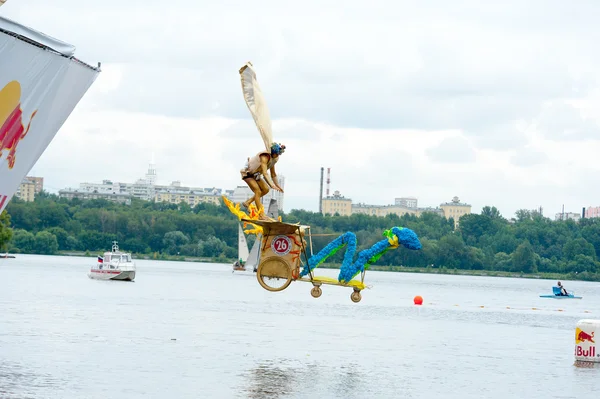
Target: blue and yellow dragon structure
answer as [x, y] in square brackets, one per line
[394, 237]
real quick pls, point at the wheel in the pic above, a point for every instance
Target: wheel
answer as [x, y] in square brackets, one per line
[274, 268]
[355, 296]
[316, 292]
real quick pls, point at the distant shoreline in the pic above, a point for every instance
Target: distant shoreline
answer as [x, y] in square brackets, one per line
[394, 269]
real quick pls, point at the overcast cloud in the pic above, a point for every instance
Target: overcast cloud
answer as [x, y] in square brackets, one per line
[497, 103]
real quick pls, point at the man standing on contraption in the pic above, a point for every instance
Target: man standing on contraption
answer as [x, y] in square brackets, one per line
[255, 169]
[263, 163]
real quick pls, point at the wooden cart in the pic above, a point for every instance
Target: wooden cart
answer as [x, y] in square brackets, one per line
[284, 252]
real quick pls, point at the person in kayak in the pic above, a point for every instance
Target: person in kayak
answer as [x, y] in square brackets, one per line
[563, 291]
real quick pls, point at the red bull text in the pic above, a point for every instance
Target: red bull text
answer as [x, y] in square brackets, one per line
[589, 352]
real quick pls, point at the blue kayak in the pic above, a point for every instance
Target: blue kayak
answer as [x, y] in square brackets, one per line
[570, 296]
[557, 295]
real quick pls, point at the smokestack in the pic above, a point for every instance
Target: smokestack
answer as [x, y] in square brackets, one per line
[583, 212]
[321, 192]
[328, 180]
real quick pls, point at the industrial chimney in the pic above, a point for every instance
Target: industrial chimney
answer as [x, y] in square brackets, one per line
[321, 192]
[328, 180]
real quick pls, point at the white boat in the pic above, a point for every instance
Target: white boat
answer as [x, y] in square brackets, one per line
[247, 261]
[115, 265]
[240, 264]
[254, 257]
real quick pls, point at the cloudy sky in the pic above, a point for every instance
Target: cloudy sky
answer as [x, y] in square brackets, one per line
[497, 103]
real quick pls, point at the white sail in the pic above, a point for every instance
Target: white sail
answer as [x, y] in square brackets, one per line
[242, 245]
[254, 257]
[41, 83]
[273, 209]
[256, 104]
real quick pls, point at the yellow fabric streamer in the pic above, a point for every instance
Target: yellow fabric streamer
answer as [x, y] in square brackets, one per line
[235, 209]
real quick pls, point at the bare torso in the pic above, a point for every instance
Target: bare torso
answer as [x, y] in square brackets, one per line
[254, 164]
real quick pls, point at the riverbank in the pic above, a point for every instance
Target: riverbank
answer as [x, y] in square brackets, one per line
[585, 276]
[153, 256]
[483, 273]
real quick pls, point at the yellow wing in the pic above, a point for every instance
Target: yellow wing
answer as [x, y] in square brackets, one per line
[256, 104]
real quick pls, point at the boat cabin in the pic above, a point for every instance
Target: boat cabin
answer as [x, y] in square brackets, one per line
[111, 257]
[114, 259]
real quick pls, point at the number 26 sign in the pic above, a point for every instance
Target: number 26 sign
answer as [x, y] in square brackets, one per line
[281, 245]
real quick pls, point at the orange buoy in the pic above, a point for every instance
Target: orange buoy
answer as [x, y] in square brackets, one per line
[418, 300]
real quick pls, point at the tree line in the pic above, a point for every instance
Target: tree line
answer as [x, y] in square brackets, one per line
[528, 243]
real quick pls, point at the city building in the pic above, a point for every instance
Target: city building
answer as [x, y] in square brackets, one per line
[592, 212]
[192, 198]
[146, 189]
[38, 182]
[400, 210]
[337, 203]
[455, 209]
[26, 190]
[383, 210]
[141, 189]
[567, 216]
[70, 193]
[402, 206]
[437, 211]
[406, 202]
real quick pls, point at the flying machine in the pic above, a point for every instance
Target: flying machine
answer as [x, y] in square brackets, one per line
[286, 251]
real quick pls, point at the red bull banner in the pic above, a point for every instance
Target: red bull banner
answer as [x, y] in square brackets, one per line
[585, 341]
[41, 82]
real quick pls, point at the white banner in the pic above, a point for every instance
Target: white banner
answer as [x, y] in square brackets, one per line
[39, 88]
[256, 104]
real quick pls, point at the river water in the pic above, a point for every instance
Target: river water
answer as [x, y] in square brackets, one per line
[193, 330]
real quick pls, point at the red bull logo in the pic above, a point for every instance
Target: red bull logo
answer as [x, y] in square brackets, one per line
[12, 130]
[582, 337]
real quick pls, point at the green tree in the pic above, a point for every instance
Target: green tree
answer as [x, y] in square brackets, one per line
[578, 246]
[502, 261]
[174, 240]
[591, 232]
[452, 252]
[212, 246]
[72, 243]
[61, 236]
[523, 259]
[24, 241]
[583, 263]
[5, 230]
[491, 212]
[482, 241]
[45, 243]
